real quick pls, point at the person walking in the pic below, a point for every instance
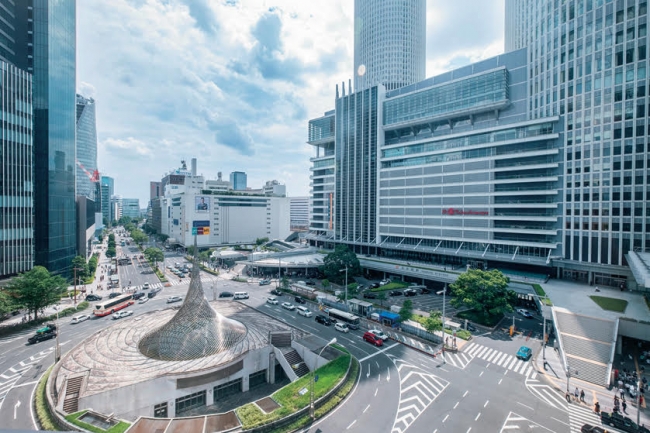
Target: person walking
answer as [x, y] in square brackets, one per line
[597, 407]
[624, 406]
[576, 393]
[582, 395]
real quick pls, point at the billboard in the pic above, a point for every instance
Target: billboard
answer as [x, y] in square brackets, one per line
[202, 203]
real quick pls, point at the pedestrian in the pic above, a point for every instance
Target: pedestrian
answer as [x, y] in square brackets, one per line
[624, 405]
[597, 407]
[576, 393]
[582, 395]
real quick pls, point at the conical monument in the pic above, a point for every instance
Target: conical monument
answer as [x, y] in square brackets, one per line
[196, 330]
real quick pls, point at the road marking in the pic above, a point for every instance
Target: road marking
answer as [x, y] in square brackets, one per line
[456, 405]
[500, 381]
[480, 374]
[368, 374]
[486, 403]
[388, 377]
[528, 407]
[378, 352]
[376, 389]
[562, 422]
[477, 416]
[26, 384]
[469, 429]
[465, 394]
[16, 406]
[445, 418]
[351, 424]
[367, 407]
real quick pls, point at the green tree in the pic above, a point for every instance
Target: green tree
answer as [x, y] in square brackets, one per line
[341, 258]
[325, 283]
[129, 227]
[37, 289]
[83, 271]
[7, 303]
[261, 241]
[138, 236]
[381, 296]
[124, 220]
[105, 221]
[205, 255]
[485, 292]
[284, 283]
[92, 264]
[110, 252]
[433, 322]
[406, 312]
[154, 255]
[190, 250]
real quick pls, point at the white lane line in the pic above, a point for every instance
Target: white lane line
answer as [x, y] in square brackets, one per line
[445, 418]
[477, 416]
[486, 403]
[377, 353]
[525, 406]
[367, 407]
[26, 384]
[456, 405]
[500, 381]
[465, 394]
[480, 374]
[351, 424]
[377, 389]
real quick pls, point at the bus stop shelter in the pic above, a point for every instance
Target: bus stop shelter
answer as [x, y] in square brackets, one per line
[387, 318]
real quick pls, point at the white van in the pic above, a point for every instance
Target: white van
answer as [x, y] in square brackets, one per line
[241, 295]
[303, 311]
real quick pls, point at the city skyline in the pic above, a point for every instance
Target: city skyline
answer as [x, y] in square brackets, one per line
[269, 89]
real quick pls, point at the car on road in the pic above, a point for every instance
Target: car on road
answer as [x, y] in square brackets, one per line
[588, 428]
[145, 286]
[138, 295]
[80, 318]
[288, 306]
[122, 313]
[153, 292]
[424, 291]
[272, 300]
[303, 311]
[374, 285]
[226, 295]
[379, 334]
[310, 283]
[524, 353]
[45, 333]
[299, 300]
[143, 300]
[265, 282]
[92, 297]
[372, 338]
[369, 295]
[525, 313]
[622, 423]
[384, 282]
[410, 292]
[113, 295]
[395, 293]
[471, 328]
[323, 320]
[342, 327]
[276, 292]
[172, 299]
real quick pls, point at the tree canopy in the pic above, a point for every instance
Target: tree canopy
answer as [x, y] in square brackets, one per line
[485, 292]
[154, 255]
[7, 303]
[36, 289]
[433, 322]
[338, 260]
[406, 312]
[138, 236]
[83, 271]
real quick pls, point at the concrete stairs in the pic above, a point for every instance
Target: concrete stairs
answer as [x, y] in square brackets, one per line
[71, 399]
[296, 362]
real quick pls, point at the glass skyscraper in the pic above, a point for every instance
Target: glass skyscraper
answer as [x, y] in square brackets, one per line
[588, 62]
[108, 189]
[238, 179]
[389, 43]
[86, 146]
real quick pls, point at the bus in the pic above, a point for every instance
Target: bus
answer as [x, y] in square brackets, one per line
[341, 316]
[114, 281]
[112, 305]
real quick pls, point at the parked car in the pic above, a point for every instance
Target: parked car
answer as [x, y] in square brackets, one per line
[310, 283]
[299, 300]
[525, 313]
[369, 295]
[471, 328]
[276, 292]
[372, 338]
[172, 299]
[524, 353]
[395, 293]
[93, 298]
[588, 428]
[384, 282]
[265, 282]
[622, 423]
[374, 285]
[226, 295]
[122, 313]
[342, 327]
[379, 334]
[410, 292]
[288, 306]
[80, 318]
[272, 300]
[324, 320]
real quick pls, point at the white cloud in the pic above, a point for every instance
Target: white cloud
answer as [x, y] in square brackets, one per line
[233, 83]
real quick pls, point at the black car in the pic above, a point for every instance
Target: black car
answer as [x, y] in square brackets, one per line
[471, 328]
[310, 283]
[395, 293]
[299, 300]
[323, 319]
[369, 295]
[374, 285]
[410, 292]
[226, 295]
[276, 292]
[138, 295]
[622, 423]
[93, 298]
[113, 295]
[45, 333]
[424, 291]
[588, 428]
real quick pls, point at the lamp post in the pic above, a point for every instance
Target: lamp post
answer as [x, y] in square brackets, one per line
[75, 285]
[444, 297]
[57, 349]
[313, 372]
[346, 284]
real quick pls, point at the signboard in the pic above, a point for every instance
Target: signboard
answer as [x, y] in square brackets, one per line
[200, 230]
[200, 223]
[453, 211]
[202, 203]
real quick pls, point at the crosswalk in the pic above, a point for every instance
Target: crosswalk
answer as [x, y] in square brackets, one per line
[522, 425]
[580, 415]
[491, 355]
[546, 393]
[13, 374]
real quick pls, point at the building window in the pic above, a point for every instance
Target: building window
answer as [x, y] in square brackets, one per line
[228, 388]
[183, 404]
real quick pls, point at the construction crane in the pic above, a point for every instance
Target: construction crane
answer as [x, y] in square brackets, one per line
[94, 176]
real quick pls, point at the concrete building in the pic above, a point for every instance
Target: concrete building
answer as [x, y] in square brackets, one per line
[116, 207]
[238, 180]
[131, 207]
[299, 213]
[218, 185]
[155, 190]
[108, 190]
[274, 188]
[86, 227]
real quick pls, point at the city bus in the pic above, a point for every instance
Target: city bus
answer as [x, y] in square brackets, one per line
[341, 316]
[112, 305]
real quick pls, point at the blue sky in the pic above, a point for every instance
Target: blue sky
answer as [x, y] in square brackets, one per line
[234, 82]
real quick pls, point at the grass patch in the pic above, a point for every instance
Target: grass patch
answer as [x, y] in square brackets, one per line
[390, 286]
[473, 316]
[290, 399]
[45, 418]
[610, 304]
[160, 275]
[461, 333]
[73, 418]
[542, 295]
[240, 280]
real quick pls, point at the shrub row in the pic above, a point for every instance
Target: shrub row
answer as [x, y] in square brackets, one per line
[45, 418]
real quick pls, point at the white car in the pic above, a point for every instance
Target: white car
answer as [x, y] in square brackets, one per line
[379, 334]
[272, 300]
[174, 299]
[341, 327]
[121, 314]
[143, 300]
[525, 313]
[288, 306]
[384, 282]
[80, 318]
[145, 286]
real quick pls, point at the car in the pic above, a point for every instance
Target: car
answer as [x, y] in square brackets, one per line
[622, 423]
[395, 293]
[138, 295]
[299, 300]
[153, 292]
[170, 267]
[92, 297]
[272, 300]
[379, 334]
[372, 338]
[265, 282]
[226, 295]
[288, 306]
[143, 300]
[471, 328]
[145, 286]
[524, 353]
[276, 292]
[303, 311]
[410, 292]
[310, 283]
[113, 295]
[374, 285]
[241, 295]
[80, 318]
[424, 290]
[341, 327]
[181, 275]
[172, 299]
[369, 295]
[525, 313]
[588, 428]
[122, 313]
[45, 333]
[384, 282]
[323, 320]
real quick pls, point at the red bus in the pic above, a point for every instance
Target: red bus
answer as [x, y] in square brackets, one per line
[112, 305]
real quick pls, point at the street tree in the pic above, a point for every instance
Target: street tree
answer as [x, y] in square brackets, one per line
[485, 292]
[433, 322]
[37, 289]
[83, 271]
[92, 264]
[406, 312]
[381, 297]
[7, 303]
[341, 258]
[261, 241]
[154, 255]
[110, 252]
[124, 220]
[138, 236]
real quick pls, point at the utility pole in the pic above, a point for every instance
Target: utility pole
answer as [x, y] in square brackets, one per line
[444, 297]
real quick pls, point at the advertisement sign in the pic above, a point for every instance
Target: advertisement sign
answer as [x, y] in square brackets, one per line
[202, 203]
[200, 223]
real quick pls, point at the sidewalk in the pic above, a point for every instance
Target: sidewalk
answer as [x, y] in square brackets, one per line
[556, 376]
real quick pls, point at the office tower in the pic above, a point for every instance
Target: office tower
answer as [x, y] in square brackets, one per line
[238, 180]
[588, 63]
[87, 173]
[155, 190]
[131, 207]
[54, 78]
[16, 174]
[116, 207]
[108, 189]
[299, 213]
[389, 43]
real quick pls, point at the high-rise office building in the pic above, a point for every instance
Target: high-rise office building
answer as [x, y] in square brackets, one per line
[108, 189]
[299, 213]
[87, 173]
[389, 43]
[238, 180]
[54, 78]
[131, 207]
[155, 190]
[588, 62]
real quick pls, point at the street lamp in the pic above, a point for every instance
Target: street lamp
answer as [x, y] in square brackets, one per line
[57, 349]
[313, 372]
[444, 296]
[75, 285]
[346, 284]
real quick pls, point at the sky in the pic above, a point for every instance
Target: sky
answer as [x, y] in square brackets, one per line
[233, 83]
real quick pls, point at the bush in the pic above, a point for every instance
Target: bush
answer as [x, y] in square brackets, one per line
[390, 286]
[472, 316]
[461, 333]
[45, 417]
[120, 427]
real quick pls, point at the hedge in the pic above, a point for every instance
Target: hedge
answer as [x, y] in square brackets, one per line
[45, 418]
[390, 286]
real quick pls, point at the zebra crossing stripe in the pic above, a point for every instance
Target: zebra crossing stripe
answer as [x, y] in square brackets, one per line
[485, 354]
[474, 350]
[469, 347]
[480, 354]
[493, 355]
[464, 358]
[534, 375]
[512, 363]
[504, 359]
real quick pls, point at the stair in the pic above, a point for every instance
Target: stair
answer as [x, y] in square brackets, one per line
[297, 363]
[71, 399]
